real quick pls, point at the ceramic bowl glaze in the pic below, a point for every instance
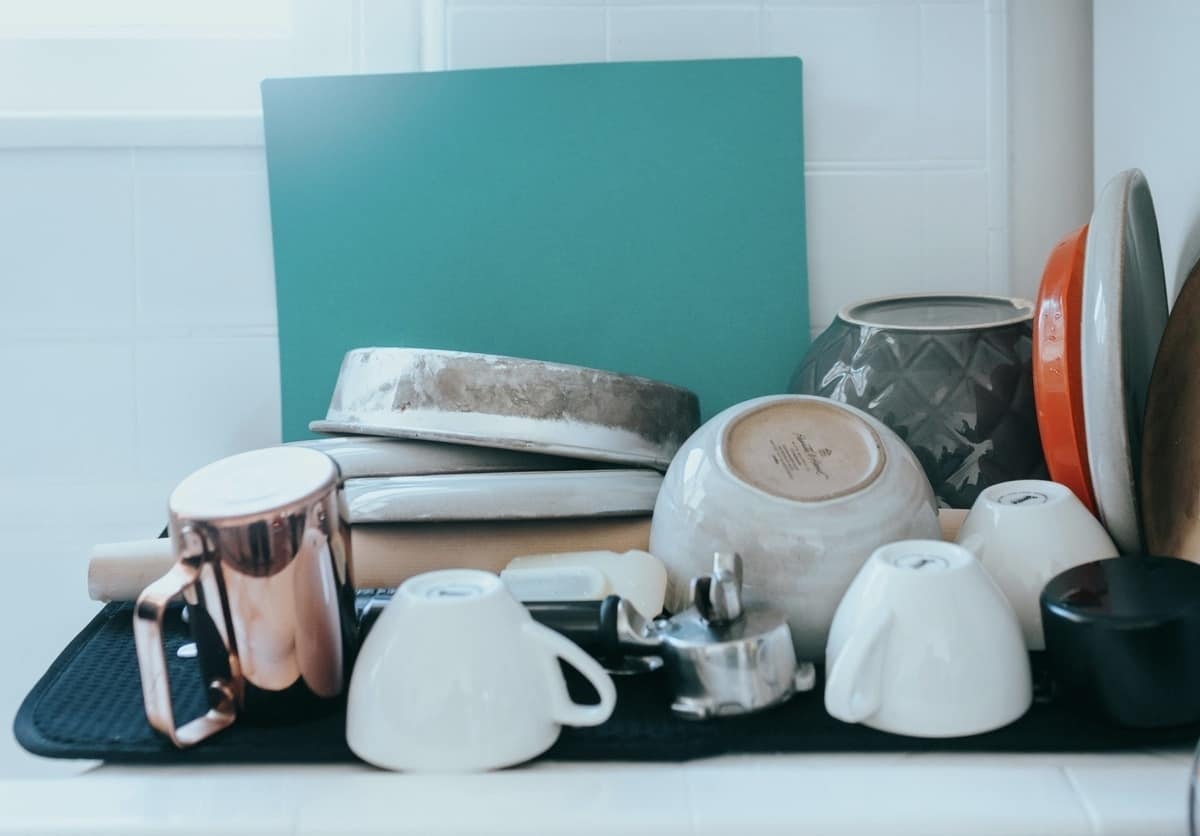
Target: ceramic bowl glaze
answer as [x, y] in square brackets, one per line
[950, 374]
[804, 489]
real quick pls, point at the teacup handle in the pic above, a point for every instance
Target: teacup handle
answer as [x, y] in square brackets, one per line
[152, 662]
[566, 711]
[854, 681]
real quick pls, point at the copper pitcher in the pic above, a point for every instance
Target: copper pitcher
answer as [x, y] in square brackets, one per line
[263, 564]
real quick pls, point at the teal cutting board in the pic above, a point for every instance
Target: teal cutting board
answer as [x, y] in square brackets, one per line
[645, 218]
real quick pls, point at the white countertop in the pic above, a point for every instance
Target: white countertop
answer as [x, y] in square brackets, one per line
[43, 604]
[1136, 794]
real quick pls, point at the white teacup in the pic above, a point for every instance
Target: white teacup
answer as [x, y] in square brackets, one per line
[925, 644]
[1026, 532]
[456, 676]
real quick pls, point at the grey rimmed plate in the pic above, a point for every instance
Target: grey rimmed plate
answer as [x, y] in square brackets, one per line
[1124, 316]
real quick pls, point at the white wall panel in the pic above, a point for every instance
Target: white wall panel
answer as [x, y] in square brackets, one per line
[499, 36]
[66, 240]
[639, 33]
[202, 398]
[204, 249]
[1147, 78]
[861, 76]
[69, 410]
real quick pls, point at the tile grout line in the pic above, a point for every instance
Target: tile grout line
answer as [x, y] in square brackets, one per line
[926, 247]
[135, 242]
[607, 31]
[358, 34]
[762, 37]
[999, 220]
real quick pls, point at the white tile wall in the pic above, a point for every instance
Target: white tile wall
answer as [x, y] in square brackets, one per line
[490, 35]
[66, 259]
[861, 68]
[138, 309]
[199, 398]
[69, 407]
[952, 83]
[203, 231]
[642, 33]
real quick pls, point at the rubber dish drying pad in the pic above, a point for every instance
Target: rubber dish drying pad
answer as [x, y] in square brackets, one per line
[89, 705]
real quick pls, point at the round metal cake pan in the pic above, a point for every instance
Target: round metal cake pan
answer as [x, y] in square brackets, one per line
[510, 403]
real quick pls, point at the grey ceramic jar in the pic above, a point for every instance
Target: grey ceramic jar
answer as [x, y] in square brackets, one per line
[950, 374]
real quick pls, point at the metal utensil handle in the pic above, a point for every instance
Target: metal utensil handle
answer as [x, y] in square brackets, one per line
[590, 624]
[152, 663]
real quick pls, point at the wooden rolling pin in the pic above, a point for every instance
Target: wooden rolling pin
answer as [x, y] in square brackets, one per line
[385, 555]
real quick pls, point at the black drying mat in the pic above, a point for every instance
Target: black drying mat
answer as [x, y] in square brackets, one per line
[89, 705]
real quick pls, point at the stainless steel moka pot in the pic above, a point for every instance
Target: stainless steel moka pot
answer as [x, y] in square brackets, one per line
[263, 563]
[721, 657]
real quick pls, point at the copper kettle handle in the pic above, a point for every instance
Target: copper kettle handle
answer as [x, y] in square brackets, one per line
[152, 663]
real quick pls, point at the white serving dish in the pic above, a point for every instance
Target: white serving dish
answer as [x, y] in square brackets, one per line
[501, 496]
[364, 455]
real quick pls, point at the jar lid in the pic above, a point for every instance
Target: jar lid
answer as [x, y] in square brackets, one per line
[1128, 588]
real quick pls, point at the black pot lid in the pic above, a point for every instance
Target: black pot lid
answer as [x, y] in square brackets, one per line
[1133, 588]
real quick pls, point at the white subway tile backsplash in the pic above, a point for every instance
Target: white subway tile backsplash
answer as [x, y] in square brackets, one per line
[662, 33]
[683, 3]
[887, 232]
[477, 3]
[66, 241]
[201, 399]
[115, 498]
[69, 409]
[204, 250]
[501, 35]
[864, 237]
[200, 161]
[953, 81]
[391, 37]
[861, 78]
[954, 230]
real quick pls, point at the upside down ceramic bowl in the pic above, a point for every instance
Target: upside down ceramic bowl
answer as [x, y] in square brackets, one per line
[951, 374]
[804, 489]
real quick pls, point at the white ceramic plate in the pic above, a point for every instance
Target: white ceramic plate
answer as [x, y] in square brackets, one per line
[1124, 314]
[510, 403]
[502, 496]
[364, 455]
